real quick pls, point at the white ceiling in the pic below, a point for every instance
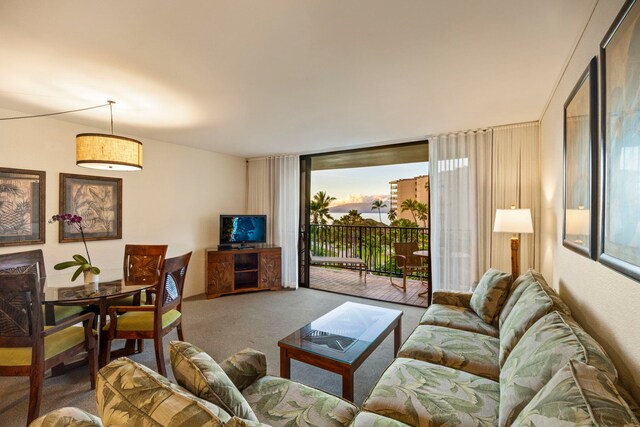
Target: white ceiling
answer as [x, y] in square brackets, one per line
[256, 77]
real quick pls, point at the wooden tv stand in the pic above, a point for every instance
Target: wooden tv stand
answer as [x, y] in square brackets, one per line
[243, 270]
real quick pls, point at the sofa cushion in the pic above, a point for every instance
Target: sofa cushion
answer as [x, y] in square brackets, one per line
[468, 351]
[489, 295]
[578, 394]
[517, 287]
[369, 419]
[68, 417]
[536, 300]
[245, 367]
[460, 299]
[422, 394]
[543, 350]
[128, 393]
[458, 318]
[196, 371]
[239, 422]
[282, 402]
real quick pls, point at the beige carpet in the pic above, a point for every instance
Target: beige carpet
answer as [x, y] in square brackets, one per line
[223, 326]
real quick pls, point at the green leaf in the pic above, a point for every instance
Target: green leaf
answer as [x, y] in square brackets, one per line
[80, 259]
[94, 270]
[66, 264]
[77, 273]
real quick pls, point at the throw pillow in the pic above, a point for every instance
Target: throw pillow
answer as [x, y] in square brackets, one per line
[196, 371]
[490, 294]
[578, 394]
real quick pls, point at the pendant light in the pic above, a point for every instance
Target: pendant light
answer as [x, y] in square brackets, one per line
[108, 152]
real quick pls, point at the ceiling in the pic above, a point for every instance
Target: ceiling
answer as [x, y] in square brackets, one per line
[259, 77]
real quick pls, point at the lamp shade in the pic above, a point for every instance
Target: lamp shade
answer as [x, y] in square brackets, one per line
[108, 152]
[513, 221]
[578, 221]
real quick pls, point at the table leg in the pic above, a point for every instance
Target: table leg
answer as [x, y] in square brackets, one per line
[347, 384]
[397, 337]
[285, 363]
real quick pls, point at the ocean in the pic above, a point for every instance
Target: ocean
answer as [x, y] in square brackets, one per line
[365, 215]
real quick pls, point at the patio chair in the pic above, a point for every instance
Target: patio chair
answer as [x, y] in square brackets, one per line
[408, 263]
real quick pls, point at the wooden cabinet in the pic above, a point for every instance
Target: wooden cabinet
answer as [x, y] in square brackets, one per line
[243, 270]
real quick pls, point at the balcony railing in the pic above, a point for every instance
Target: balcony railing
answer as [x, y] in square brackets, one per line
[373, 244]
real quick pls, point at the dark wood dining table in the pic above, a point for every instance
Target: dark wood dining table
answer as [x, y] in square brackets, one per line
[60, 290]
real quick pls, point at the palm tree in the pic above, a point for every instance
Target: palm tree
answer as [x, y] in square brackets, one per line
[378, 204]
[320, 208]
[353, 217]
[411, 206]
[392, 215]
[422, 211]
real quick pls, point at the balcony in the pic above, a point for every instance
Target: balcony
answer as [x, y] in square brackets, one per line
[374, 245]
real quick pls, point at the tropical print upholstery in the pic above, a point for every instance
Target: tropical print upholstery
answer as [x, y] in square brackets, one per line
[369, 419]
[422, 394]
[67, 417]
[245, 367]
[543, 350]
[517, 287]
[626, 395]
[489, 295]
[536, 301]
[460, 299]
[578, 394]
[464, 350]
[458, 318]
[281, 402]
[196, 371]
[239, 422]
[128, 393]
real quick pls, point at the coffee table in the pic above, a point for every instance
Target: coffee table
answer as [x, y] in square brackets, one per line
[341, 340]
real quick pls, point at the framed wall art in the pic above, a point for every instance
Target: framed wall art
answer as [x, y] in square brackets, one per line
[620, 128]
[581, 164]
[22, 207]
[98, 200]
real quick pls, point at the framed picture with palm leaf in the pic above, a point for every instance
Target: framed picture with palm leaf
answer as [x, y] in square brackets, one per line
[22, 207]
[98, 200]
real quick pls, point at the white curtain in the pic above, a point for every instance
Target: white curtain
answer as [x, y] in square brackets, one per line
[273, 189]
[458, 174]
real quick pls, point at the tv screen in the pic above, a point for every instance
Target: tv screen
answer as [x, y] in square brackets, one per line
[243, 229]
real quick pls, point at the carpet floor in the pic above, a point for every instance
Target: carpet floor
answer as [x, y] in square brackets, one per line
[222, 327]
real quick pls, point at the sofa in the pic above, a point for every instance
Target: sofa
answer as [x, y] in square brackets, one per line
[508, 353]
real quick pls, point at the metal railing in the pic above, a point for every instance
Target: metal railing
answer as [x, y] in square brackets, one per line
[373, 244]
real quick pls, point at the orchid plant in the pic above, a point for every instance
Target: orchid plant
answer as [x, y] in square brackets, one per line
[83, 264]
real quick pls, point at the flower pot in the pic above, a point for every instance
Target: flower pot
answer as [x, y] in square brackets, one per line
[89, 277]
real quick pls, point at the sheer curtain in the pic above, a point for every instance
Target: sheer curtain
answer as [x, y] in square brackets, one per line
[273, 189]
[459, 166]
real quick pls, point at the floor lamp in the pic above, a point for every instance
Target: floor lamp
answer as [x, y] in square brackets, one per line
[513, 221]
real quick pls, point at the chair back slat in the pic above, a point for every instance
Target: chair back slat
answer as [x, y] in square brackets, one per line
[20, 313]
[143, 263]
[172, 285]
[23, 262]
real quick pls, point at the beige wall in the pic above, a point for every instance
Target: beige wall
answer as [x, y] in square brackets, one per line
[606, 303]
[175, 200]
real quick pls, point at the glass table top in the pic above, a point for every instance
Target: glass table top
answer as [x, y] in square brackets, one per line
[344, 333]
[60, 288]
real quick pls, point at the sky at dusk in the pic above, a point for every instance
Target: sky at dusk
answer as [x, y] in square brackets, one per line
[363, 184]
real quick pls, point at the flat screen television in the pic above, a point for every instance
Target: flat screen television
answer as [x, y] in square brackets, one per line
[243, 229]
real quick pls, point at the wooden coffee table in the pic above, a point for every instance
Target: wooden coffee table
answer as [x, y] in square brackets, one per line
[341, 340]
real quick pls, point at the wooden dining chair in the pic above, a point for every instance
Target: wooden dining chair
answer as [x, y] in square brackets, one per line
[142, 264]
[33, 262]
[151, 321]
[407, 262]
[27, 347]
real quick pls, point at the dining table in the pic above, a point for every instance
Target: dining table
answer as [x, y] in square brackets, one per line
[111, 286]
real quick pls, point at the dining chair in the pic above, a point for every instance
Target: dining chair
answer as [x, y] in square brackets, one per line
[407, 262]
[142, 264]
[33, 262]
[151, 321]
[27, 347]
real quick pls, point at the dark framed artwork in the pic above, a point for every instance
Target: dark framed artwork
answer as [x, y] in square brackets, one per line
[98, 200]
[22, 207]
[581, 164]
[620, 134]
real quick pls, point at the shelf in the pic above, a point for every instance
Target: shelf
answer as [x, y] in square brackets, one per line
[246, 268]
[248, 285]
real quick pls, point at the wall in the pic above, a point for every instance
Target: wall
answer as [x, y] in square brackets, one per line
[603, 301]
[175, 200]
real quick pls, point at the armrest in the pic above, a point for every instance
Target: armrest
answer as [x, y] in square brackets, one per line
[119, 309]
[459, 299]
[245, 367]
[87, 317]
[67, 416]
[399, 258]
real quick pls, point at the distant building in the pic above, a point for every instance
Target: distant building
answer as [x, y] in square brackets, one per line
[415, 188]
